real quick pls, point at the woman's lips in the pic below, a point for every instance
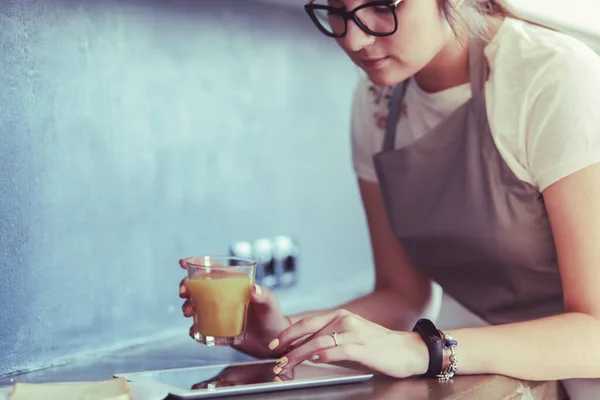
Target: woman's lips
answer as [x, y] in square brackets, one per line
[374, 63]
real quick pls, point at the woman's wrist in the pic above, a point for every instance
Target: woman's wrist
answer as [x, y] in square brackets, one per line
[418, 352]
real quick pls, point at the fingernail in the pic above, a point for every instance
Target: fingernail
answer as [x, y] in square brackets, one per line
[273, 345]
[257, 290]
[315, 358]
[276, 370]
[277, 379]
[282, 362]
[181, 290]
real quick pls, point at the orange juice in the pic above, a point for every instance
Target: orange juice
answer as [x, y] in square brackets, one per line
[221, 300]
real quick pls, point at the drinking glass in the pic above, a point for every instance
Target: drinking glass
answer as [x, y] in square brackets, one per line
[220, 289]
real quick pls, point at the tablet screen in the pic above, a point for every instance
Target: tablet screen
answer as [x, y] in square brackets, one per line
[222, 376]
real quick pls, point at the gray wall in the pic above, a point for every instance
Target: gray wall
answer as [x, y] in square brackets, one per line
[136, 132]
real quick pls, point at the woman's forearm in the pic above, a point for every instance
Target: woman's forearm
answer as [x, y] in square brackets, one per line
[559, 347]
[385, 308]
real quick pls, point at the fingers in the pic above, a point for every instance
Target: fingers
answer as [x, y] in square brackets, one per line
[312, 347]
[263, 296]
[306, 326]
[182, 264]
[188, 309]
[266, 302]
[343, 352]
[184, 292]
[300, 342]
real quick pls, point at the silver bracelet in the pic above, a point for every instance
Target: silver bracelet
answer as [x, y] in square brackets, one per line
[449, 343]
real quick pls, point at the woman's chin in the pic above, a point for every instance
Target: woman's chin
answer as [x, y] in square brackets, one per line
[385, 77]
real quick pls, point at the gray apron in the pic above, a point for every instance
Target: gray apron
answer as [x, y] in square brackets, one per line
[465, 220]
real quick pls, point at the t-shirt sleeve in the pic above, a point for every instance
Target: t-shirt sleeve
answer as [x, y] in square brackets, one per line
[562, 125]
[364, 130]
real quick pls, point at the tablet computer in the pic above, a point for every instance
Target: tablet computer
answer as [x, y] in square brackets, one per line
[211, 381]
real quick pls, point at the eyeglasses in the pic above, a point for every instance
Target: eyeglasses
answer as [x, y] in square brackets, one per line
[377, 18]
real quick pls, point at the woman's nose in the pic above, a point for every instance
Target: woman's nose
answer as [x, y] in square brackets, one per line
[356, 39]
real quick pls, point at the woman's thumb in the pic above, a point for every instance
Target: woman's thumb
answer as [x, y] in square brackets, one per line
[262, 297]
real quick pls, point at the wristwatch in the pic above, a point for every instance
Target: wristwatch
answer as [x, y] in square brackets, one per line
[431, 336]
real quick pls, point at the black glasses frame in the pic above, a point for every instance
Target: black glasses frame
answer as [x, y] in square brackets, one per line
[311, 8]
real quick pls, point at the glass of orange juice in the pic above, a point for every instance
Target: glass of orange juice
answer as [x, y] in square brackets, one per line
[220, 289]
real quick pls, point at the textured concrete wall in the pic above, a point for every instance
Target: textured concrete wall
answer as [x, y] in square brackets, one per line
[134, 132]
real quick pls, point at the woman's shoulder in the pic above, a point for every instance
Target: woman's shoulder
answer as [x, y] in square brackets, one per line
[529, 54]
[542, 95]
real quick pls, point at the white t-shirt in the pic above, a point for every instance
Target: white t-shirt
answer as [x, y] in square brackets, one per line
[542, 98]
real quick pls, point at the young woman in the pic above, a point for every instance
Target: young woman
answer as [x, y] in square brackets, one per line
[476, 142]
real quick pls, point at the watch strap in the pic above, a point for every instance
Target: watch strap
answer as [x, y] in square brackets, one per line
[432, 338]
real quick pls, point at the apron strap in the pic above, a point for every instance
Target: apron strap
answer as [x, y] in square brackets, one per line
[479, 72]
[392, 121]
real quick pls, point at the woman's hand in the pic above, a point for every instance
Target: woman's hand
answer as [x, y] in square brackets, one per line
[264, 319]
[397, 354]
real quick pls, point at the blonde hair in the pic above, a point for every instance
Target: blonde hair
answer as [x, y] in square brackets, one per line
[472, 14]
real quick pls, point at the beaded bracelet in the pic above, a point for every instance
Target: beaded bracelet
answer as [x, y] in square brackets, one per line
[450, 370]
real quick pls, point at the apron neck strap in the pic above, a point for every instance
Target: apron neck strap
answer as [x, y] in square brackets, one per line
[478, 72]
[389, 142]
